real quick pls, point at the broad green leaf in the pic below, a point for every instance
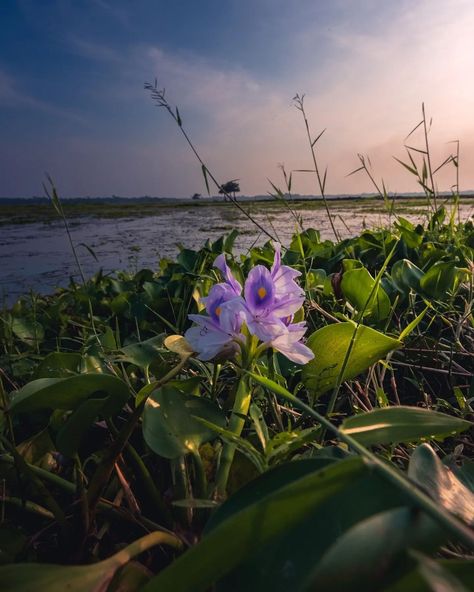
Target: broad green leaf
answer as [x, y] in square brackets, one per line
[59, 365]
[357, 286]
[392, 425]
[440, 279]
[330, 345]
[143, 354]
[406, 276]
[265, 484]
[246, 532]
[36, 577]
[68, 393]
[29, 331]
[170, 427]
[441, 483]
[372, 551]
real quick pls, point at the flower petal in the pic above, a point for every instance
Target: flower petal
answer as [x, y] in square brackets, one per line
[222, 266]
[259, 290]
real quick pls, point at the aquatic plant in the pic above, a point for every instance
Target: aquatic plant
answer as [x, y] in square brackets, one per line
[182, 403]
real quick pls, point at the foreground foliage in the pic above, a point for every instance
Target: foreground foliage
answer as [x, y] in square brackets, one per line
[354, 468]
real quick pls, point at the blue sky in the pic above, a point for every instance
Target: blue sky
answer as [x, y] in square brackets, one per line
[72, 101]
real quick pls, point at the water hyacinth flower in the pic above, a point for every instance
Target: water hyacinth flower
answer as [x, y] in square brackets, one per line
[271, 298]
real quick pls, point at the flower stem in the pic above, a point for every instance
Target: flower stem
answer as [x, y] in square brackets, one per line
[243, 396]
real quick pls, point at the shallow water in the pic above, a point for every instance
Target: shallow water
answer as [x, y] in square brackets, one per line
[38, 257]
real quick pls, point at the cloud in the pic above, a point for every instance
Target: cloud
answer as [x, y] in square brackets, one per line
[365, 76]
[12, 95]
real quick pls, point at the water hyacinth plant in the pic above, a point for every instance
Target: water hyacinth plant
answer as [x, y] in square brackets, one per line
[254, 459]
[266, 312]
[244, 327]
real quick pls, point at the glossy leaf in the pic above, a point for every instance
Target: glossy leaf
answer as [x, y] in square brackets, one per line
[440, 279]
[392, 425]
[372, 551]
[406, 276]
[143, 354]
[441, 483]
[234, 540]
[330, 345]
[58, 365]
[170, 427]
[29, 331]
[358, 287]
[68, 393]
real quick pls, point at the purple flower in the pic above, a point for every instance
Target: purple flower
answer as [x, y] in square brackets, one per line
[289, 344]
[218, 294]
[217, 334]
[222, 266]
[271, 298]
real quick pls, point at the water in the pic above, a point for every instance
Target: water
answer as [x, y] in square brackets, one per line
[38, 257]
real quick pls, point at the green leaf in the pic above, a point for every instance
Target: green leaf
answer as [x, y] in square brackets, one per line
[68, 393]
[392, 425]
[358, 287]
[235, 540]
[373, 550]
[143, 354]
[441, 483]
[34, 577]
[88, 395]
[440, 279]
[411, 326]
[406, 276]
[31, 332]
[330, 345]
[169, 425]
[59, 365]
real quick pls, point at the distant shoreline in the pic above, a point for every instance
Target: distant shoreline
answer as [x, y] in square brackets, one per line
[37, 210]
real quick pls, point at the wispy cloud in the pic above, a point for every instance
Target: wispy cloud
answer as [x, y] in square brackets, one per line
[365, 76]
[12, 95]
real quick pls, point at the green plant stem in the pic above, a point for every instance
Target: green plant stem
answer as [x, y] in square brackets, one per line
[452, 524]
[237, 421]
[200, 489]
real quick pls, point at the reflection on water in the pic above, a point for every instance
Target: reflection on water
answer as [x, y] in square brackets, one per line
[38, 257]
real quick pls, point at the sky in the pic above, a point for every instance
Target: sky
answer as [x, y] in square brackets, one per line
[73, 104]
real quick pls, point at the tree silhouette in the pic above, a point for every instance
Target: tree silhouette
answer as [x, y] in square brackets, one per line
[231, 187]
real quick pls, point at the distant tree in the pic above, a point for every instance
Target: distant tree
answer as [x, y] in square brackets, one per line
[231, 187]
[196, 196]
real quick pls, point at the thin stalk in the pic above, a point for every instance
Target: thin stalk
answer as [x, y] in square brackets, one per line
[299, 100]
[243, 397]
[428, 157]
[161, 101]
[332, 401]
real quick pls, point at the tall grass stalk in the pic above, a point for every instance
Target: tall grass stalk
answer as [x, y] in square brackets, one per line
[158, 95]
[299, 104]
